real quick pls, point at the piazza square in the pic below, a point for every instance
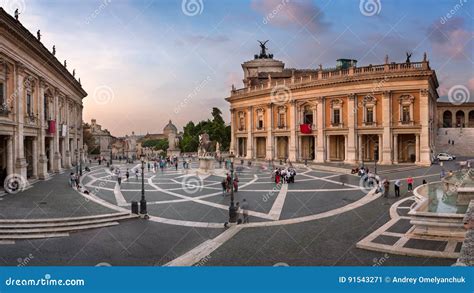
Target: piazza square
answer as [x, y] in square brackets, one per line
[211, 144]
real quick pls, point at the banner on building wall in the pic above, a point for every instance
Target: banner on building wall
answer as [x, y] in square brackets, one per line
[51, 126]
[305, 128]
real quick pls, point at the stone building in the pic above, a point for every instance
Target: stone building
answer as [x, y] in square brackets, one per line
[41, 106]
[102, 139]
[349, 114]
[455, 116]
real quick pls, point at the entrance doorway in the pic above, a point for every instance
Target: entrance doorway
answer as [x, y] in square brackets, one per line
[261, 147]
[307, 148]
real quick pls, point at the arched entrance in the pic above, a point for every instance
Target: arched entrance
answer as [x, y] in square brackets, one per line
[460, 119]
[447, 119]
[471, 119]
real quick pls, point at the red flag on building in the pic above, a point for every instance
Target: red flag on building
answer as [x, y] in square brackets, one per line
[52, 126]
[305, 128]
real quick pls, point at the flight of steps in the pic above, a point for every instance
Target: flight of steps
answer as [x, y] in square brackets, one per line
[463, 141]
[17, 229]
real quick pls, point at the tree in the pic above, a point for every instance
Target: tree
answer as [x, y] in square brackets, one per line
[89, 140]
[216, 128]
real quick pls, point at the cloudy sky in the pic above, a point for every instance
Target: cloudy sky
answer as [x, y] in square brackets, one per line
[144, 62]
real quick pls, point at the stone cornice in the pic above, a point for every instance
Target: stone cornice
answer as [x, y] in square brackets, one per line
[332, 82]
[20, 33]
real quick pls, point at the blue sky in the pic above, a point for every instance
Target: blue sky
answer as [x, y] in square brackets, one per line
[145, 62]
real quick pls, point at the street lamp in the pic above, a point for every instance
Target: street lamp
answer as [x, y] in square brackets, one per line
[232, 207]
[376, 156]
[77, 161]
[80, 166]
[143, 210]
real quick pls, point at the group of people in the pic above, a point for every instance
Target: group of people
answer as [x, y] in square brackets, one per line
[286, 175]
[227, 183]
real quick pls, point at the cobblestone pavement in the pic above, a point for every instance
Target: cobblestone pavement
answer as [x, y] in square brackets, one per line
[316, 221]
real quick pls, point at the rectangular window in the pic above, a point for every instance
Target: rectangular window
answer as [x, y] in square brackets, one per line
[2, 94]
[28, 104]
[308, 119]
[369, 115]
[281, 120]
[260, 124]
[336, 117]
[406, 113]
[45, 109]
[241, 126]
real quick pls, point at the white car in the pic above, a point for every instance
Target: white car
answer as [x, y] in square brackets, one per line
[445, 157]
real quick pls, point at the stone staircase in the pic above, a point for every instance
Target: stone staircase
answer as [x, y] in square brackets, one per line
[17, 229]
[463, 141]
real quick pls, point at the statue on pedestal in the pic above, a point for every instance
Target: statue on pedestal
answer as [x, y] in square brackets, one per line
[204, 145]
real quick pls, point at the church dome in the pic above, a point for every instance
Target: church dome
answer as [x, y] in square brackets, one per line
[170, 128]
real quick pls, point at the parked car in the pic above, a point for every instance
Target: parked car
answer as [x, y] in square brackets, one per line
[445, 157]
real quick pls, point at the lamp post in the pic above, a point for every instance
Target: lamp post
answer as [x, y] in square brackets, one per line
[143, 210]
[77, 161]
[80, 166]
[376, 156]
[232, 207]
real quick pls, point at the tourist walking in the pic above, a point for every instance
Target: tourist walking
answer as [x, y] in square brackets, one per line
[72, 179]
[410, 183]
[224, 186]
[236, 183]
[127, 174]
[245, 210]
[136, 174]
[397, 188]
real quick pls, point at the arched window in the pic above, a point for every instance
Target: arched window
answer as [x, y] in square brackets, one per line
[447, 119]
[460, 119]
[471, 118]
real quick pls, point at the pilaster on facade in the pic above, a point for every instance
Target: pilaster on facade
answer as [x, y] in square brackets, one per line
[293, 124]
[269, 143]
[385, 145]
[424, 137]
[20, 164]
[249, 133]
[320, 149]
[232, 132]
[350, 139]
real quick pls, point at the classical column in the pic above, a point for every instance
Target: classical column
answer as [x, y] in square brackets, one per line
[385, 158]
[269, 126]
[299, 151]
[350, 157]
[9, 143]
[360, 147]
[315, 147]
[249, 133]
[293, 123]
[424, 139]
[43, 160]
[381, 147]
[20, 163]
[321, 150]
[57, 155]
[417, 149]
[328, 148]
[395, 149]
[35, 157]
[275, 139]
[232, 131]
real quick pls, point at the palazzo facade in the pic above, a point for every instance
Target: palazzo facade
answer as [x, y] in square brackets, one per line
[41, 106]
[385, 113]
